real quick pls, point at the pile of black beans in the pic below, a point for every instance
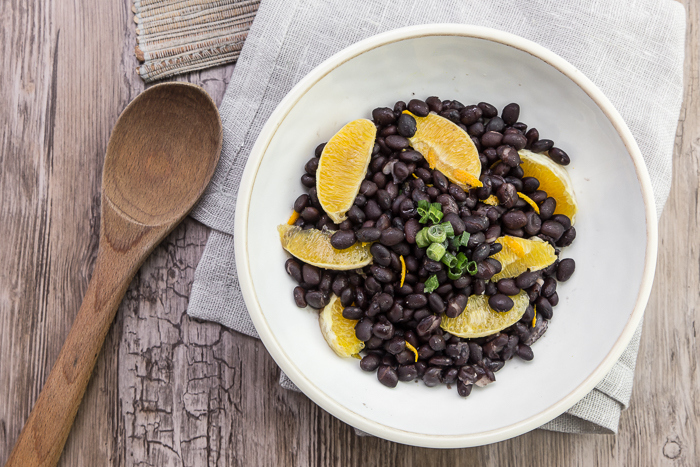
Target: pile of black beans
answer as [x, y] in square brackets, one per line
[385, 212]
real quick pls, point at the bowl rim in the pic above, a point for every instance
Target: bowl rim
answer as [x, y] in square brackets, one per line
[241, 236]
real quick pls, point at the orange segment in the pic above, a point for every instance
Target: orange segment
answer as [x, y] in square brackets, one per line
[448, 149]
[343, 166]
[314, 247]
[554, 179]
[520, 254]
[338, 331]
[478, 319]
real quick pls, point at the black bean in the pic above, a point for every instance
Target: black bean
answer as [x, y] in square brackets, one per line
[368, 188]
[400, 171]
[370, 362]
[383, 274]
[326, 281]
[549, 287]
[530, 184]
[518, 184]
[567, 238]
[464, 389]
[547, 208]
[372, 210]
[388, 131]
[514, 232]
[434, 103]
[308, 180]
[432, 266]
[415, 301]
[532, 136]
[383, 330]
[507, 195]
[435, 302]
[496, 124]
[347, 297]
[316, 299]
[534, 292]
[495, 248]
[527, 279]
[391, 236]
[517, 141]
[514, 219]
[432, 376]
[552, 229]
[411, 229]
[554, 299]
[301, 202]
[488, 110]
[559, 156]
[310, 214]
[383, 115]
[343, 239]
[385, 301]
[544, 308]
[563, 220]
[312, 166]
[379, 179]
[524, 352]
[406, 125]
[477, 129]
[425, 352]
[484, 191]
[470, 115]
[418, 107]
[491, 139]
[407, 372]
[352, 312]
[311, 274]
[474, 224]
[440, 181]
[381, 254]
[510, 113]
[376, 165]
[450, 114]
[456, 305]
[475, 352]
[387, 376]
[356, 215]
[538, 196]
[510, 156]
[410, 156]
[360, 200]
[293, 268]
[299, 299]
[368, 234]
[437, 343]
[565, 269]
[395, 345]
[481, 252]
[542, 145]
[534, 223]
[428, 324]
[440, 360]
[396, 142]
[407, 208]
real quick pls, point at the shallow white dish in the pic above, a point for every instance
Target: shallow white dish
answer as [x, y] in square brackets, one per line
[615, 250]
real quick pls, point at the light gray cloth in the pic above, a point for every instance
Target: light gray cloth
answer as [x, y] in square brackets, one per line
[632, 49]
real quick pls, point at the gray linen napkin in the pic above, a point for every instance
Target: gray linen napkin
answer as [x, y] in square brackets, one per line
[632, 49]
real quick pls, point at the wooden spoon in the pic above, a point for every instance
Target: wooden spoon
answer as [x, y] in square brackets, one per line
[160, 158]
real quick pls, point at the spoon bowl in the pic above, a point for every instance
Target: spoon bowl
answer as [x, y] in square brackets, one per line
[161, 156]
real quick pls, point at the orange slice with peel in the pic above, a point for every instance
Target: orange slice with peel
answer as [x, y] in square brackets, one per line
[448, 149]
[554, 179]
[521, 254]
[314, 247]
[343, 166]
[339, 332]
[478, 319]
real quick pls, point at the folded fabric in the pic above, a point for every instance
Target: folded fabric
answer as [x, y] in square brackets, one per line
[633, 50]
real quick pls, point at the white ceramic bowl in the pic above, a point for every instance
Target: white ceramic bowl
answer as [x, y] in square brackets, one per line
[615, 250]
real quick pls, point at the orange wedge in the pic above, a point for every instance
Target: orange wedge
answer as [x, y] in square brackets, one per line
[314, 247]
[338, 331]
[554, 179]
[478, 319]
[520, 254]
[343, 166]
[448, 149]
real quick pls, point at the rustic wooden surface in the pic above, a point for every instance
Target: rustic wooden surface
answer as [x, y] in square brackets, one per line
[171, 391]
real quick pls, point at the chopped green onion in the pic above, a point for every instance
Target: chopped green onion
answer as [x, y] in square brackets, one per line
[423, 210]
[464, 238]
[435, 252]
[472, 267]
[431, 284]
[454, 275]
[449, 230]
[435, 212]
[462, 261]
[449, 260]
[436, 234]
[454, 243]
[422, 238]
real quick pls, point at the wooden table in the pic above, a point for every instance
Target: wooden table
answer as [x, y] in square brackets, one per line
[171, 391]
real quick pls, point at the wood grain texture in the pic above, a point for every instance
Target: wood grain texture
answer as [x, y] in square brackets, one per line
[171, 391]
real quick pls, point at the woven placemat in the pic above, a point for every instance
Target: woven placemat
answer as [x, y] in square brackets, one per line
[179, 36]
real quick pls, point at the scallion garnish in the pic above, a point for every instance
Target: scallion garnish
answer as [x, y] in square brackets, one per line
[436, 234]
[435, 251]
[423, 210]
[431, 284]
[472, 267]
[435, 212]
[449, 260]
[422, 238]
[454, 275]
[449, 230]
[464, 238]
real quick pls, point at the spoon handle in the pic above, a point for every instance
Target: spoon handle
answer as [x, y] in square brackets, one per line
[41, 441]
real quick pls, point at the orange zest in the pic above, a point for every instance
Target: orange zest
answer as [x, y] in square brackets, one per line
[491, 200]
[534, 318]
[467, 178]
[529, 201]
[293, 218]
[412, 349]
[403, 270]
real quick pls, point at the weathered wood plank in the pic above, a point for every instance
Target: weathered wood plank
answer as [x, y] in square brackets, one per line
[169, 390]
